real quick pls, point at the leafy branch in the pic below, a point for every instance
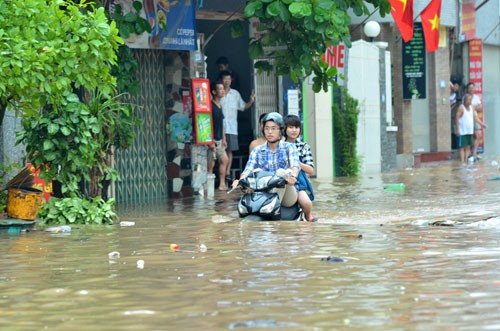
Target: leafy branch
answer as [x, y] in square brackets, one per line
[296, 33]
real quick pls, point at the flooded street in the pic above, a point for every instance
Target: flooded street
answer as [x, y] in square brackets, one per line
[395, 274]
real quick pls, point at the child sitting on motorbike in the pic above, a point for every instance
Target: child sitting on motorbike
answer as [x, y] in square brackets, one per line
[277, 156]
[293, 129]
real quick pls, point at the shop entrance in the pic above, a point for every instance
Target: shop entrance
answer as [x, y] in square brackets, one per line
[220, 43]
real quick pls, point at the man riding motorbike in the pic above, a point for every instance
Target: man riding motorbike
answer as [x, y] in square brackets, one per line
[276, 156]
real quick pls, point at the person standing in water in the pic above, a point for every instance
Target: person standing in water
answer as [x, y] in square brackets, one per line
[464, 122]
[231, 104]
[218, 149]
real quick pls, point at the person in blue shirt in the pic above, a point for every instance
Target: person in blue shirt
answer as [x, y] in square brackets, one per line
[276, 156]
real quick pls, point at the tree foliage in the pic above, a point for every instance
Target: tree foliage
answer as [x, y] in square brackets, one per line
[51, 47]
[296, 33]
[56, 60]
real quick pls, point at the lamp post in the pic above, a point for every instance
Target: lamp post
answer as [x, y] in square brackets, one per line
[371, 29]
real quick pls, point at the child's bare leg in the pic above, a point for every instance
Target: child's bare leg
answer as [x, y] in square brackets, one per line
[306, 205]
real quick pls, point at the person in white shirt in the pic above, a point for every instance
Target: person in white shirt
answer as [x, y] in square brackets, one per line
[464, 124]
[231, 104]
[478, 124]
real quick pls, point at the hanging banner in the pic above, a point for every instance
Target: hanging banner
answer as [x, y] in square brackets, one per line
[202, 111]
[414, 58]
[468, 21]
[172, 23]
[476, 77]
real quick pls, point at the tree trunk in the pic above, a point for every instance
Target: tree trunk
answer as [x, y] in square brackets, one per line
[3, 108]
[95, 177]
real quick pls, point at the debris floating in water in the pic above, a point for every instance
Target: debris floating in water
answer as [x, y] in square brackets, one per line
[138, 312]
[127, 223]
[203, 248]
[221, 219]
[354, 236]
[140, 264]
[222, 281]
[333, 259]
[395, 187]
[494, 178]
[114, 255]
[492, 222]
[59, 229]
[420, 222]
[174, 247]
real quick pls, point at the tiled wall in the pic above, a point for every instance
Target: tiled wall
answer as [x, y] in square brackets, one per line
[158, 164]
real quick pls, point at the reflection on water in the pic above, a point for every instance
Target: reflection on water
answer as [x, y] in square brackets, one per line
[269, 275]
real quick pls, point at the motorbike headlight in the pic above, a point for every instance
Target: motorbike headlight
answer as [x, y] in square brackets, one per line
[242, 209]
[267, 209]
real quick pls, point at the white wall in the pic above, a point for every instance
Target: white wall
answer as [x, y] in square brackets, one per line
[491, 98]
[323, 134]
[363, 84]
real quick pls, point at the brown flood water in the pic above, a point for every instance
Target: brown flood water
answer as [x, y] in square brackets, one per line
[269, 275]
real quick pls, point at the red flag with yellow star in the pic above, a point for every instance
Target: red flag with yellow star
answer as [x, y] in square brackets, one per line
[402, 12]
[430, 24]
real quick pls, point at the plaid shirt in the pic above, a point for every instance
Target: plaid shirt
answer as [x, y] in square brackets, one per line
[305, 154]
[284, 157]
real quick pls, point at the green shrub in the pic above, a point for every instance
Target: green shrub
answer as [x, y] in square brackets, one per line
[346, 127]
[78, 211]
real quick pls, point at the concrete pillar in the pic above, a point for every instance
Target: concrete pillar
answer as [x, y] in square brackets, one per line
[323, 137]
[11, 153]
[363, 85]
[439, 105]
[402, 108]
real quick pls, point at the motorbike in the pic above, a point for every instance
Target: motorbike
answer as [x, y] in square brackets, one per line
[260, 201]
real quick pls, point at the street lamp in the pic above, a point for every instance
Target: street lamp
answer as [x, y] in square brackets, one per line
[371, 29]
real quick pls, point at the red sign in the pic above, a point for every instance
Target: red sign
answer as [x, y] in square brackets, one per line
[476, 77]
[202, 111]
[335, 57]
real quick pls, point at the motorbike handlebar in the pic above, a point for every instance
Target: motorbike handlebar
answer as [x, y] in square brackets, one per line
[242, 183]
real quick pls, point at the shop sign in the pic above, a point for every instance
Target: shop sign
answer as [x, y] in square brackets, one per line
[202, 111]
[172, 24]
[414, 66]
[476, 77]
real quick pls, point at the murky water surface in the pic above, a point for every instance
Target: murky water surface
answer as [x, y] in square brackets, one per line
[269, 275]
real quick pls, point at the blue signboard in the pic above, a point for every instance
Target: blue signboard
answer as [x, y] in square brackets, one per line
[172, 24]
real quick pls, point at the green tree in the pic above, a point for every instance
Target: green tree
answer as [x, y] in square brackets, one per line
[52, 53]
[296, 33]
[49, 48]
